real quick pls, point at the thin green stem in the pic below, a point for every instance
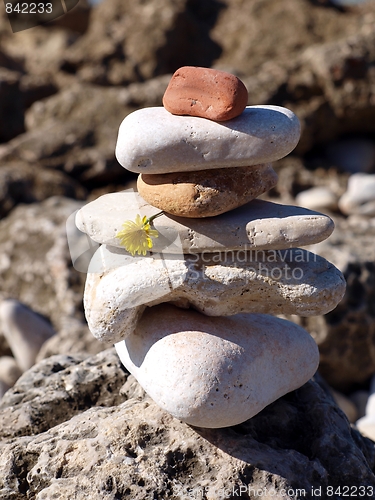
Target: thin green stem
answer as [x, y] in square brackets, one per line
[150, 219]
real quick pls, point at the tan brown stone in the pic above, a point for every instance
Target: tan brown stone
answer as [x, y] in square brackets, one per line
[208, 93]
[205, 193]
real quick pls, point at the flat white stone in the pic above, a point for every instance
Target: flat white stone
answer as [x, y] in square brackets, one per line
[153, 141]
[317, 198]
[359, 198]
[118, 286]
[258, 225]
[217, 372]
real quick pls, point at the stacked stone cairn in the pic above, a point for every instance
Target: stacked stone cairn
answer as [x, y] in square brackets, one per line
[190, 318]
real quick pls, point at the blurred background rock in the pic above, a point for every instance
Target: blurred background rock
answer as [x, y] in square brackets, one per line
[66, 86]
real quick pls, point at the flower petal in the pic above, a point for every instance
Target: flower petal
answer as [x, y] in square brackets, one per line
[136, 235]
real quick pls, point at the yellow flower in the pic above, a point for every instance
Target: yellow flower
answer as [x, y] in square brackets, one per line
[136, 235]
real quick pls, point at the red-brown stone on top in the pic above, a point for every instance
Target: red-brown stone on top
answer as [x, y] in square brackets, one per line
[204, 92]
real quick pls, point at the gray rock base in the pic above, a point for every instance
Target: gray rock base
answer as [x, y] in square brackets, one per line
[138, 451]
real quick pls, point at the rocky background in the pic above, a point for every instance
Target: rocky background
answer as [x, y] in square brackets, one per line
[75, 424]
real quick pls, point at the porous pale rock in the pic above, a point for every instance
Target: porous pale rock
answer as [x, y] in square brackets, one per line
[205, 193]
[205, 92]
[58, 388]
[217, 372]
[136, 447]
[260, 225]
[153, 141]
[24, 330]
[119, 286]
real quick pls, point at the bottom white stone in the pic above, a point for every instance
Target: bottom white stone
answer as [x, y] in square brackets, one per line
[217, 371]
